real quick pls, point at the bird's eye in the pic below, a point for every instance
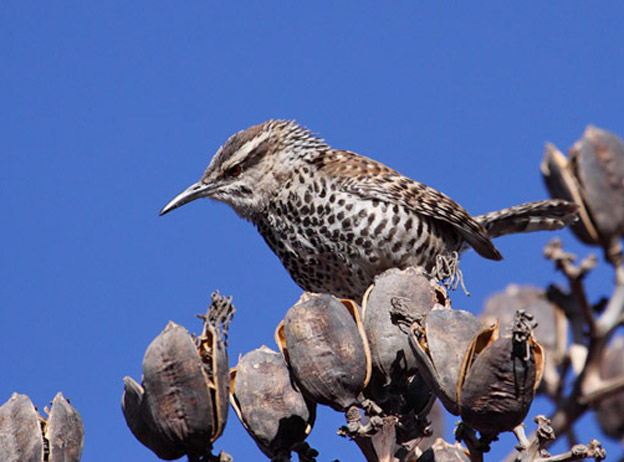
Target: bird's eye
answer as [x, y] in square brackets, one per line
[234, 171]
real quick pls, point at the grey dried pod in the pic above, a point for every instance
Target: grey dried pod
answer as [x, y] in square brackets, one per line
[63, 431]
[552, 325]
[20, 431]
[389, 307]
[181, 407]
[599, 162]
[441, 451]
[323, 342]
[593, 177]
[276, 415]
[610, 411]
[25, 436]
[439, 343]
[173, 414]
[561, 182]
[142, 425]
[499, 377]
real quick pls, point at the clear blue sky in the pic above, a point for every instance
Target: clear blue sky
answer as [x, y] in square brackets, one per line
[111, 108]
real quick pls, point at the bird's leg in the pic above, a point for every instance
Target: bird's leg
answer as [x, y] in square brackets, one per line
[447, 271]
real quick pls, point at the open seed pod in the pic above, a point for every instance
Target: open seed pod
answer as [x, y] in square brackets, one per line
[499, 377]
[174, 409]
[594, 179]
[610, 411]
[441, 451]
[182, 406]
[552, 325]
[439, 343]
[276, 415]
[390, 305]
[323, 342]
[599, 160]
[20, 432]
[25, 436]
[64, 431]
[211, 346]
[562, 183]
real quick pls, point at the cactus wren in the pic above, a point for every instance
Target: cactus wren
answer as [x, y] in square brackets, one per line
[337, 219]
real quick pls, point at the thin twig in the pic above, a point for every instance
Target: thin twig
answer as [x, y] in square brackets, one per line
[607, 388]
[476, 447]
[593, 450]
[575, 275]
[614, 311]
[535, 450]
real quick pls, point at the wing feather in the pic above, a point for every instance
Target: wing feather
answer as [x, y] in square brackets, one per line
[372, 180]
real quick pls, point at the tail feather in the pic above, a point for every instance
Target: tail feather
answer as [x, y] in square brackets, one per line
[533, 216]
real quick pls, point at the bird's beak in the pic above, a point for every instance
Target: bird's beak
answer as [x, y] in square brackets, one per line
[195, 191]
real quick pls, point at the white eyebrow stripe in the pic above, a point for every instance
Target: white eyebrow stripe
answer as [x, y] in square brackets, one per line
[248, 147]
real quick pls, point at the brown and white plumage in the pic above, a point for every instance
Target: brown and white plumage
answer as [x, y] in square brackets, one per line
[337, 219]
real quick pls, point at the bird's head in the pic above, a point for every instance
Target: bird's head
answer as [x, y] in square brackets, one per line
[250, 167]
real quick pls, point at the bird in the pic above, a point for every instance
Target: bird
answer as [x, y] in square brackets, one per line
[337, 219]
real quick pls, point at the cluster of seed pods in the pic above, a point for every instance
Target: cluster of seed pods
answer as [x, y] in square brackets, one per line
[593, 177]
[488, 379]
[390, 358]
[386, 359]
[25, 436]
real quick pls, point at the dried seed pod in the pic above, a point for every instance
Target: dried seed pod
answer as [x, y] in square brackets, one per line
[562, 183]
[390, 305]
[182, 406]
[211, 345]
[141, 423]
[175, 400]
[323, 342]
[599, 159]
[25, 436]
[20, 431]
[276, 415]
[552, 325]
[177, 391]
[499, 378]
[610, 411]
[64, 431]
[594, 179]
[439, 343]
[441, 451]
